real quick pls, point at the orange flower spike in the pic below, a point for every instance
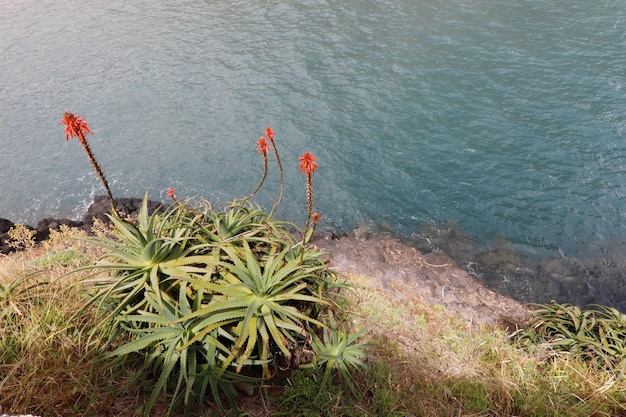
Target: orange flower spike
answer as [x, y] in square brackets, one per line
[171, 193]
[262, 146]
[307, 163]
[269, 133]
[75, 126]
[316, 217]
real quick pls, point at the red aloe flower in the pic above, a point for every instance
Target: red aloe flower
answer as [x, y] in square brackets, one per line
[269, 135]
[75, 126]
[171, 193]
[316, 218]
[262, 146]
[307, 163]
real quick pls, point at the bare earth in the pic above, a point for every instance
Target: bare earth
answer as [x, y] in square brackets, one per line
[410, 276]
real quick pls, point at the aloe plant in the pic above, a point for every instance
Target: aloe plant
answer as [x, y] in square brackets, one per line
[337, 352]
[205, 294]
[214, 296]
[237, 220]
[166, 339]
[154, 255]
[259, 298]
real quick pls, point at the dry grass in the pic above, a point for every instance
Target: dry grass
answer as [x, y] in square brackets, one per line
[48, 365]
[443, 366]
[424, 361]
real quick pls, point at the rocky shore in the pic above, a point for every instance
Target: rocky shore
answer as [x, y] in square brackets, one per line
[410, 276]
[439, 265]
[97, 210]
[582, 279]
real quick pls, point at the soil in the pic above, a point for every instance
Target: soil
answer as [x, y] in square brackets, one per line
[411, 276]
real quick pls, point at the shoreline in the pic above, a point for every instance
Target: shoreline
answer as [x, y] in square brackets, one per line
[497, 268]
[386, 263]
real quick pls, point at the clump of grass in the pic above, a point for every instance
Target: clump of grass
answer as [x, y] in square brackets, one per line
[304, 395]
[63, 258]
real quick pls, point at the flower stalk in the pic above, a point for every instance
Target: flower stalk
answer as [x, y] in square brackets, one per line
[76, 126]
[269, 135]
[308, 166]
[263, 148]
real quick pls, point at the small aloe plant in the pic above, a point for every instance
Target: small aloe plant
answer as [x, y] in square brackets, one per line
[166, 338]
[259, 298]
[337, 351]
[153, 256]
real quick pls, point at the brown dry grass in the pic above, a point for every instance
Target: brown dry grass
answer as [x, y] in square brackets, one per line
[444, 366]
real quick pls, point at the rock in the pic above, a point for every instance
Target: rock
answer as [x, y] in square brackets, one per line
[130, 207]
[5, 226]
[44, 226]
[446, 238]
[410, 276]
[502, 260]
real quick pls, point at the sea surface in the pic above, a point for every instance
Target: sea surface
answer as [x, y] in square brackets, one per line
[477, 126]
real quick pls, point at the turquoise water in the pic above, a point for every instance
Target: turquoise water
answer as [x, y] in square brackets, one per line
[507, 117]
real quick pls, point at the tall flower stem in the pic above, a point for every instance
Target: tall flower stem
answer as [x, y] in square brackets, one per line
[100, 173]
[269, 134]
[262, 148]
[309, 201]
[308, 166]
[76, 126]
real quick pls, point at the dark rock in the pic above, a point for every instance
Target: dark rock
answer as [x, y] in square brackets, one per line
[131, 206]
[128, 207]
[44, 226]
[97, 210]
[447, 239]
[101, 206]
[5, 226]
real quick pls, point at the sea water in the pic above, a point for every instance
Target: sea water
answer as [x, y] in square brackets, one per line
[504, 121]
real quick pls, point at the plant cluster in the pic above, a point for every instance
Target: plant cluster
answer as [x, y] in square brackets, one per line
[213, 297]
[597, 335]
